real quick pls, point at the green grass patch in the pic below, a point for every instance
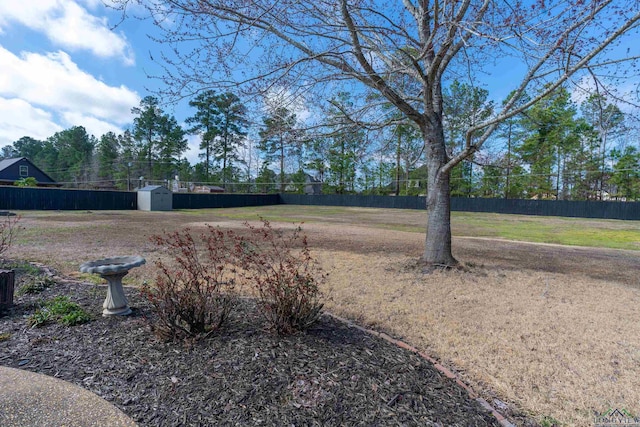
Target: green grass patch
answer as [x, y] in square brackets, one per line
[61, 310]
[22, 267]
[35, 285]
[615, 234]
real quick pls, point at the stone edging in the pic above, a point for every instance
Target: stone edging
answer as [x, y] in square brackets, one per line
[445, 371]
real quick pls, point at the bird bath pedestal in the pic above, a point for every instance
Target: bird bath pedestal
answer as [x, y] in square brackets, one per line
[113, 270]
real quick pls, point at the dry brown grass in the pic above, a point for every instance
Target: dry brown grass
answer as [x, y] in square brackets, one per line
[551, 330]
[553, 344]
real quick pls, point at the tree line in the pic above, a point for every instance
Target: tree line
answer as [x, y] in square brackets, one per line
[556, 149]
[397, 59]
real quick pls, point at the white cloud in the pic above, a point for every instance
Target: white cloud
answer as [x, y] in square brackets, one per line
[281, 97]
[623, 94]
[69, 25]
[193, 149]
[43, 94]
[95, 127]
[18, 118]
[55, 81]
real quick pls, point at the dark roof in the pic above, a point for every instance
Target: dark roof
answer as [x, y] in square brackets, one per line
[41, 177]
[152, 188]
[8, 162]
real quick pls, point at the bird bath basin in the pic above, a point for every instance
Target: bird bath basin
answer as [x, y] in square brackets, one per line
[113, 270]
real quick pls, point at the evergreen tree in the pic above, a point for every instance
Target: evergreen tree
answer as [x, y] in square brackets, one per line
[221, 121]
[549, 124]
[73, 149]
[318, 156]
[346, 143]
[266, 180]
[279, 137]
[513, 133]
[147, 130]
[27, 147]
[171, 145]
[464, 106]
[608, 121]
[625, 177]
[158, 137]
[108, 152]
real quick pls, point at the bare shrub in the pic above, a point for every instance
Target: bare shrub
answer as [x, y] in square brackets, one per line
[285, 276]
[193, 294]
[8, 229]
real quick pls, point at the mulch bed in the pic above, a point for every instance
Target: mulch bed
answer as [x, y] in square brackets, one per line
[329, 376]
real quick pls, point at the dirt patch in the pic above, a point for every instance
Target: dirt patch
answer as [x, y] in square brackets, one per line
[333, 375]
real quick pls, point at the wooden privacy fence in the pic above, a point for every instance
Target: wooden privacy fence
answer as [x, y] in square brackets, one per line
[581, 209]
[30, 198]
[19, 198]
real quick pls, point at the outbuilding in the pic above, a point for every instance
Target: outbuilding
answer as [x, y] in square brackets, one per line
[155, 198]
[12, 170]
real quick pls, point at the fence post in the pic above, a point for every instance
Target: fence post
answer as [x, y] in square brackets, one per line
[7, 278]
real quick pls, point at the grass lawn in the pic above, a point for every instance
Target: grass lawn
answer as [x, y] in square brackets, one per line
[551, 331]
[615, 234]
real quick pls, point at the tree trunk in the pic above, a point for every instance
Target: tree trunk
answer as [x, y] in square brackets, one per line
[437, 250]
[281, 165]
[224, 165]
[206, 169]
[398, 151]
[506, 190]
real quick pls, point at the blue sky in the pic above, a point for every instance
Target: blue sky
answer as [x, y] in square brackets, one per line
[63, 65]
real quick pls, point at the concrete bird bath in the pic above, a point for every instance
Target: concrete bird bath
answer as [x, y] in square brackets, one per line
[113, 270]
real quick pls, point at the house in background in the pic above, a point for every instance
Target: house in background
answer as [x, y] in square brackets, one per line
[11, 170]
[312, 186]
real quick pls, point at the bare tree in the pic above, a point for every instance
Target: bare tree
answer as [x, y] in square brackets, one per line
[370, 44]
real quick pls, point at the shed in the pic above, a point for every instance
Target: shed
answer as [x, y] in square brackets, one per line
[155, 198]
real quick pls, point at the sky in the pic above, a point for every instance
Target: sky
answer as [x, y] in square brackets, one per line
[64, 65]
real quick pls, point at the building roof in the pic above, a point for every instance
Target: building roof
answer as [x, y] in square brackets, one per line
[8, 162]
[153, 188]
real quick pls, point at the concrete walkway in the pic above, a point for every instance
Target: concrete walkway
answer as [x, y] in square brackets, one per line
[30, 399]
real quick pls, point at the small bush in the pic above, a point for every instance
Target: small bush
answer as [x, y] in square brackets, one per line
[40, 318]
[26, 182]
[193, 295]
[285, 276]
[75, 317]
[61, 310]
[35, 285]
